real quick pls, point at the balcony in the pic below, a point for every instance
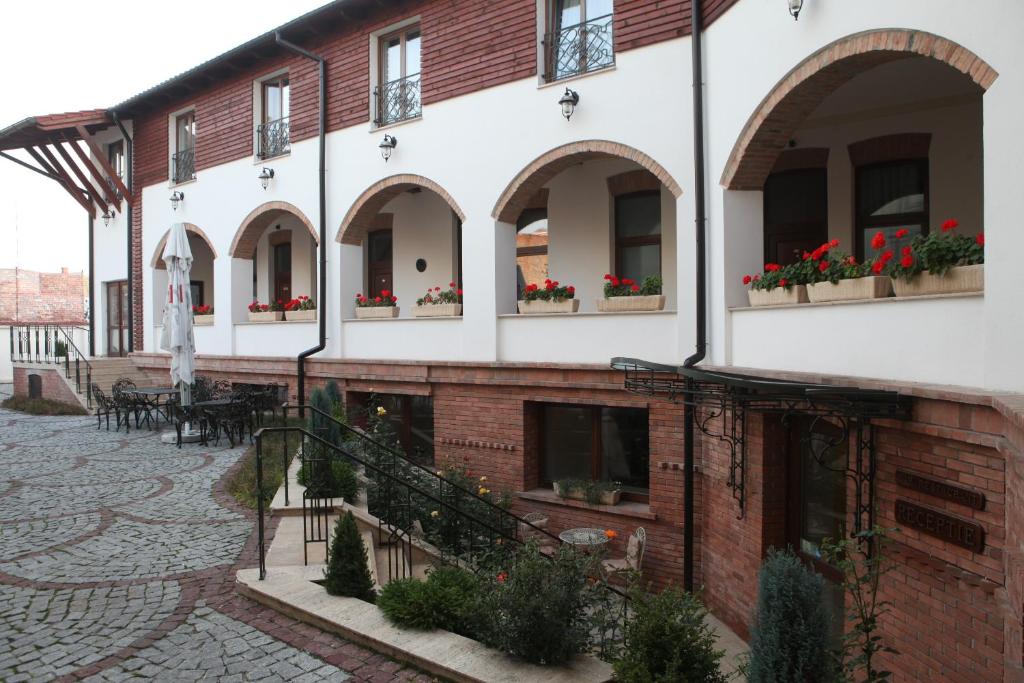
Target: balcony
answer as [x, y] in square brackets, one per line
[579, 49]
[183, 166]
[273, 138]
[398, 100]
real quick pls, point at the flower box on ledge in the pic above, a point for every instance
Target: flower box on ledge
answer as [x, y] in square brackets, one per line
[797, 294]
[265, 316]
[200, 320]
[849, 289]
[300, 315]
[377, 312]
[960, 279]
[437, 311]
[607, 497]
[620, 304]
[540, 306]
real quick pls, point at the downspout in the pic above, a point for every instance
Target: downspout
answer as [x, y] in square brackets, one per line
[92, 291]
[131, 282]
[301, 360]
[689, 416]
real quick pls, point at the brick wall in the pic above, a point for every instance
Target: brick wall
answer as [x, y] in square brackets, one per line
[28, 296]
[54, 386]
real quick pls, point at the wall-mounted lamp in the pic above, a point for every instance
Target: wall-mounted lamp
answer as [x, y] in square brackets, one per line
[569, 101]
[265, 176]
[175, 198]
[106, 217]
[794, 8]
[387, 146]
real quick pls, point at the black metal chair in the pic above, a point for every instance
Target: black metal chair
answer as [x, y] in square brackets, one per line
[105, 405]
[126, 401]
[180, 415]
[202, 389]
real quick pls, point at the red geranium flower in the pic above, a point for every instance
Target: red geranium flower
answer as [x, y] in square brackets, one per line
[459, 292]
[376, 299]
[887, 255]
[772, 267]
[807, 255]
[876, 267]
[747, 279]
[823, 266]
[550, 286]
[907, 261]
[980, 239]
[615, 281]
[757, 278]
[950, 224]
[394, 299]
[878, 241]
[607, 276]
[783, 282]
[570, 289]
[627, 281]
[502, 577]
[635, 288]
[834, 243]
[385, 293]
[901, 233]
[451, 284]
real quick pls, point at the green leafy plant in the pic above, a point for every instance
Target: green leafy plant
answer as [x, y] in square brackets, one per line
[333, 394]
[863, 562]
[936, 252]
[616, 286]
[446, 600]
[774, 276]
[668, 641]
[330, 477]
[60, 348]
[348, 571]
[551, 291]
[435, 296]
[591, 490]
[790, 635]
[385, 298]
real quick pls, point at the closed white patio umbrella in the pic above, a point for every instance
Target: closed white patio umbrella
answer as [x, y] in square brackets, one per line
[177, 335]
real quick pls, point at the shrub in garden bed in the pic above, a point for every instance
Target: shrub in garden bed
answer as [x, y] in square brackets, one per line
[446, 600]
[348, 570]
[42, 406]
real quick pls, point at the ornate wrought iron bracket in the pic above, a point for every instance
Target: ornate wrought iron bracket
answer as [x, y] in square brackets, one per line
[734, 414]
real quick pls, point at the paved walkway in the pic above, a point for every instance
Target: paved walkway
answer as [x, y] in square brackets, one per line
[117, 560]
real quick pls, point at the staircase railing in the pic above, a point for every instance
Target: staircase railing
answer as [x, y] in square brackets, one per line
[53, 344]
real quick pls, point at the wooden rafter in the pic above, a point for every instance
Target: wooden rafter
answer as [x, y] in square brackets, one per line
[102, 159]
[50, 163]
[96, 196]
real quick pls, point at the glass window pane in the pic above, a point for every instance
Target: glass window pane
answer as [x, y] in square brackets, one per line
[625, 447]
[285, 92]
[598, 8]
[891, 189]
[380, 246]
[638, 215]
[568, 443]
[568, 13]
[412, 53]
[272, 103]
[640, 262]
[823, 488]
[392, 59]
[421, 428]
[891, 241]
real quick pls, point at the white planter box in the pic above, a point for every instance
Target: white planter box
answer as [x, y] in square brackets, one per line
[871, 287]
[797, 294]
[300, 315]
[437, 311]
[266, 316]
[607, 497]
[618, 304]
[199, 320]
[564, 306]
[377, 311]
[956, 280]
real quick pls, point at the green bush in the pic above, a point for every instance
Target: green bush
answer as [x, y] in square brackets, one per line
[42, 406]
[333, 478]
[322, 425]
[667, 641]
[406, 604]
[790, 635]
[348, 571]
[333, 394]
[446, 600]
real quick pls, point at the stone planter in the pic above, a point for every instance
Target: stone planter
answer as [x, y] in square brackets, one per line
[437, 311]
[376, 312]
[607, 497]
[955, 281]
[266, 316]
[621, 304]
[200, 320]
[564, 306]
[300, 315]
[797, 294]
[870, 287]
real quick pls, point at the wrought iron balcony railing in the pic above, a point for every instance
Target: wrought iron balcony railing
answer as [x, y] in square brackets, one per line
[274, 139]
[579, 49]
[398, 100]
[183, 165]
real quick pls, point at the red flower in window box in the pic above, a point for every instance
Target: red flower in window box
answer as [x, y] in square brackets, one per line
[901, 233]
[878, 241]
[950, 224]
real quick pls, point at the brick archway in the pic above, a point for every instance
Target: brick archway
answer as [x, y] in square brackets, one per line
[517, 195]
[158, 263]
[791, 101]
[244, 244]
[360, 217]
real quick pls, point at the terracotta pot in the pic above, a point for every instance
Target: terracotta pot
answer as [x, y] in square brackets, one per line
[437, 311]
[300, 315]
[871, 287]
[607, 497]
[266, 316]
[956, 280]
[564, 306]
[619, 304]
[377, 311]
[200, 320]
[797, 294]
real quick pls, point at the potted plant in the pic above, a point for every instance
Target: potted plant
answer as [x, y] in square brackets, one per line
[624, 294]
[438, 303]
[776, 286]
[202, 315]
[551, 298]
[591, 492]
[383, 306]
[261, 313]
[940, 263]
[302, 308]
[834, 276]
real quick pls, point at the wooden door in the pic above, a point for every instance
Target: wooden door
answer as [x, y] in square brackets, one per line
[117, 318]
[379, 266]
[283, 272]
[795, 213]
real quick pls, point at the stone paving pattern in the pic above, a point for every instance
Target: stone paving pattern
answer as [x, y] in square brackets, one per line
[117, 562]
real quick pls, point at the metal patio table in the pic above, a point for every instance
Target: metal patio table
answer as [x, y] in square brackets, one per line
[155, 394]
[585, 538]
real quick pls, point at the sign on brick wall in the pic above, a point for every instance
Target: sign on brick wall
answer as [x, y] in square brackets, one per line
[941, 489]
[961, 532]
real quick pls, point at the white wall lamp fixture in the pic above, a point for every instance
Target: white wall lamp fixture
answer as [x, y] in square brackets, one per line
[569, 101]
[387, 146]
[176, 196]
[265, 176]
[794, 8]
[106, 217]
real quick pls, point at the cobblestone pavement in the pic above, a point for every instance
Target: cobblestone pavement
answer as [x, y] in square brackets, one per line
[117, 561]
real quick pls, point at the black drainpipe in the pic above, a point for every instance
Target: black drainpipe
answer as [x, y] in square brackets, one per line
[689, 418]
[92, 291]
[131, 285]
[322, 294]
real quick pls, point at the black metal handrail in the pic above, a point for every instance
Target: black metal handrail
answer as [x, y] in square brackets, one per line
[184, 165]
[31, 343]
[579, 49]
[398, 100]
[274, 138]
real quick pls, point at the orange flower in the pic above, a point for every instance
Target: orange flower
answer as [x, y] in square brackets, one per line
[611, 534]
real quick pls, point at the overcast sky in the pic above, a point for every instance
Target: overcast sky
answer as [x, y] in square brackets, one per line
[67, 55]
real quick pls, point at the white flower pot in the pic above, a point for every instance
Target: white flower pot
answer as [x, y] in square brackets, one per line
[956, 280]
[797, 294]
[564, 306]
[300, 315]
[377, 311]
[266, 316]
[437, 311]
[200, 320]
[619, 304]
[870, 287]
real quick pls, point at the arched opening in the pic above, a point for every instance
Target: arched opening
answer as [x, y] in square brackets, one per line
[587, 209]
[202, 275]
[404, 235]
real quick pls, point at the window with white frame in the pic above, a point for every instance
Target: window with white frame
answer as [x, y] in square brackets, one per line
[183, 159]
[578, 38]
[397, 95]
[272, 132]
